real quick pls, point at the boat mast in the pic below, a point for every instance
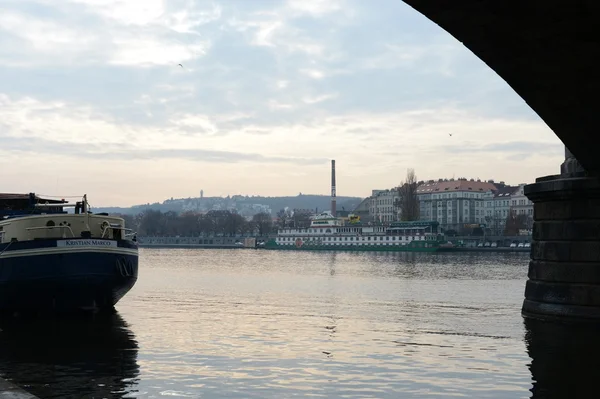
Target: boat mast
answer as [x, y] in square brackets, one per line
[85, 210]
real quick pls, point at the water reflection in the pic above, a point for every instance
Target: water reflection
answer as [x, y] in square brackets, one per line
[87, 356]
[276, 324]
[565, 359]
[331, 263]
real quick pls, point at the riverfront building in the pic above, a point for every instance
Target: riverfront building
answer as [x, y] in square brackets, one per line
[454, 203]
[384, 205]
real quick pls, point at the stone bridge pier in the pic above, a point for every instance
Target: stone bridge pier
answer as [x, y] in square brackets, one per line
[546, 50]
[564, 271]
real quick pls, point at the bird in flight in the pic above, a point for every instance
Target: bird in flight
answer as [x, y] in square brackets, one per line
[450, 134]
[180, 65]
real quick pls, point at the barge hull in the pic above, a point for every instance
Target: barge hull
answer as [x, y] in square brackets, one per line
[47, 277]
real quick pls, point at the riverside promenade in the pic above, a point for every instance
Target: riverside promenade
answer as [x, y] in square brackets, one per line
[199, 242]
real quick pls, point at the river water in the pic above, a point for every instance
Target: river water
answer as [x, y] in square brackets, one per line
[278, 324]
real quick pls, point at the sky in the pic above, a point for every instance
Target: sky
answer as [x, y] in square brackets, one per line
[92, 100]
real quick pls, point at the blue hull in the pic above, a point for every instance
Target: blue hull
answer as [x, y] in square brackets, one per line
[43, 276]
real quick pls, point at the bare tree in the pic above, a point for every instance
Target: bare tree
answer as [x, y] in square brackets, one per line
[301, 218]
[284, 216]
[514, 223]
[130, 220]
[263, 223]
[408, 199]
[188, 224]
[152, 223]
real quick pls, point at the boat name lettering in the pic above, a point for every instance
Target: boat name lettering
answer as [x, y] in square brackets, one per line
[86, 243]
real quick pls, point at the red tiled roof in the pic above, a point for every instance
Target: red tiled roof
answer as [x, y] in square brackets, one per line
[456, 185]
[506, 191]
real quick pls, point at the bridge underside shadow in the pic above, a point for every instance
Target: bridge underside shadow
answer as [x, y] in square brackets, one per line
[546, 50]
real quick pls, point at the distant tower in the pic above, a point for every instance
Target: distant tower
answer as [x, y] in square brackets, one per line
[333, 204]
[201, 194]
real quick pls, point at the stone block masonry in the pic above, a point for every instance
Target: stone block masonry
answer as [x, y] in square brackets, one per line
[564, 271]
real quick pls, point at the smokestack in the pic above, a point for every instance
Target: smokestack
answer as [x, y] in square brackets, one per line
[333, 204]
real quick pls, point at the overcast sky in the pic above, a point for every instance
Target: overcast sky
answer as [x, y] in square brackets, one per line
[92, 100]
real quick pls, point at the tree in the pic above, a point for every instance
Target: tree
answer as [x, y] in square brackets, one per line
[514, 223]
[188, 224]
[283, 218]
[131, 221]
[465, 231]
[247, 228]
[207, 225]
[234, 224]
[408, 200]
[477, 231]
[152, 223]
[262, 223]
[301, 218]
[219, 221]
[171, 223]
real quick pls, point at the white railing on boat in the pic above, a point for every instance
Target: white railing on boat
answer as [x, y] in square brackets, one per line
[51, 227]
[128, 232]
[61, 205]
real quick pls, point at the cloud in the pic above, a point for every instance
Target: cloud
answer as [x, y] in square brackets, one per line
[109, 32]
[316, 8]
[136, 51]
[276, 105]
[36, 145]
[531, 147]
[278, 29]
[268, 92]
[42, 38]
[318, 99]
[313, 73]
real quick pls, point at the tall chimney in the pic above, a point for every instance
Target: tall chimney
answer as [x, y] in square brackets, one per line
[333, 204]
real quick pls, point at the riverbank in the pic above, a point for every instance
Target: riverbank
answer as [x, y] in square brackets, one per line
[250, 242]
[230, 246]
[190, 246]
[491, 249]
[200, 242]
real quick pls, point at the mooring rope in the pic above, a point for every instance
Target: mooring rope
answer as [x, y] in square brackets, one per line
[5, 248]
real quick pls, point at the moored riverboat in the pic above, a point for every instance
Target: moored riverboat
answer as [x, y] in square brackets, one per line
[55, 260]
[327, 232]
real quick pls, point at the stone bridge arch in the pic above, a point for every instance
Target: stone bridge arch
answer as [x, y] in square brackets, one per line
[546, 50]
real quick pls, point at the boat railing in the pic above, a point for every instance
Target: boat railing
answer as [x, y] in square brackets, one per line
[128, 232]
[51, 227]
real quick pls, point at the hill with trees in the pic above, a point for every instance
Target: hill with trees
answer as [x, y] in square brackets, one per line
[244, 205]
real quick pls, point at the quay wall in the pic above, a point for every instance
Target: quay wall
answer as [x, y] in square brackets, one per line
[198, 242]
